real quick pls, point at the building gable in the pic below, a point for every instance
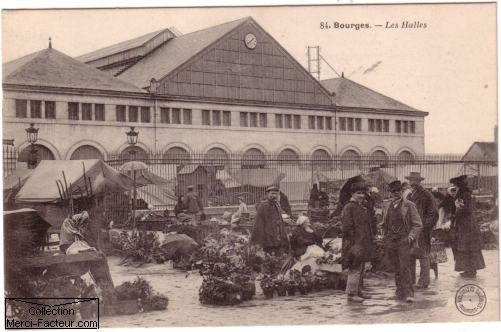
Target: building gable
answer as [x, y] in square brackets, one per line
[228, 69]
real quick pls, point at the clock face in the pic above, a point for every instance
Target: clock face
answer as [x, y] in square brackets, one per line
[250, 41]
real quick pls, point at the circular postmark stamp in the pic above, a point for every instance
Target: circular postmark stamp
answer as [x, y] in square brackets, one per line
[470, 300]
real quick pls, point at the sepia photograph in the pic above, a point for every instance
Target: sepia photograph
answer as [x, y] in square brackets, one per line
[250, 166]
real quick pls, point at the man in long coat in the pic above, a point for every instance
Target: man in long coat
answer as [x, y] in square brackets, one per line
[269, 228]
[194, 205]
[428, 212]
[357, 241]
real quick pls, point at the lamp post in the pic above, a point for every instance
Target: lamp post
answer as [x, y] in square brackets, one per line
[32, 134]
[132, 140]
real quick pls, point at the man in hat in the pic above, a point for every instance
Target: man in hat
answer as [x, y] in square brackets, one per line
[242, 210]
[401, 228]
[269, 228]
[357, 241]
[428, 212]
[194, 205]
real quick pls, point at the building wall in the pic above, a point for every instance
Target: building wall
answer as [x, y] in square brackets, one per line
[64, 135]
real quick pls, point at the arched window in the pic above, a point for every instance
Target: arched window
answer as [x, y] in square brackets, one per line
[350, 159]
[379, 158]
[288, 157]
[216, 156]
[85, 152]
[134, 153]
[34, 154]
[253, 158]
[176, 155]
[405, 157]
[321, 160]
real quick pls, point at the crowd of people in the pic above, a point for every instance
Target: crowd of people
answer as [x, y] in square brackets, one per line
[406, 223]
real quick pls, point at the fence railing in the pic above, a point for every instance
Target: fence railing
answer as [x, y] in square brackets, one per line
[222, 177]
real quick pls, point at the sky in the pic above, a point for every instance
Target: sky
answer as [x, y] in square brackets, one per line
[448, 68]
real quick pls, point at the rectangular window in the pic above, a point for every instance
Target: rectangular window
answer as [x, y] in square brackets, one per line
[216, 118]
[358, 124]
[50, 109]
[297, 121]
[176, 116]
[372, 126]
[86, 111]
[328, 123]
[36, 108]
[398, 126]
[227, 118]
[311, 122]
[120, 113]
[145, 114]
[206, 117]
[253, 119]
[406, 126]
[412, 127]
[320, 122]
[164, 115]
[187, 116]
[73, 111]
[243, 119]
[133, 114]
[350, 124]
[288, 121]
[263, 120]
[342, 124]
[279, 121]
[21, 108]
[386, 126]
[98, 112]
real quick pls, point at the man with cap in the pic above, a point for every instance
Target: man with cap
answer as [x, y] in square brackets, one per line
[401, 228]
[194, 205]
[357, 241]
[269, 228]
[428, 212]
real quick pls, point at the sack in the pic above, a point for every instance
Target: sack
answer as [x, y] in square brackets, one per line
[78, 247]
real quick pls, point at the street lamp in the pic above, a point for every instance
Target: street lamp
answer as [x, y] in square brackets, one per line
[32, 134]
[132, 140]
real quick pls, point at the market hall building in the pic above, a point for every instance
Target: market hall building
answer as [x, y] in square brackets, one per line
[228, 88]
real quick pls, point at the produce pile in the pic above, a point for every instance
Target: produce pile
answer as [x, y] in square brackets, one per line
[329, 258]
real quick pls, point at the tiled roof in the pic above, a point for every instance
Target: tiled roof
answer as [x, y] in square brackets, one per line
[351, 94]
[126, 45]
[174, 53]
[51, 68]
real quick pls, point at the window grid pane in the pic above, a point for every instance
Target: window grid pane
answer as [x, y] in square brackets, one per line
[120, 109]
[263, 120]
[342, 124]
[176, 116]
[50, 109]
[99, 112]
[297, 122]
[36, 108]
[379, 125]
[243, 119]
[371, 125]
[351, 126]
[279, 121]
[328, 123]
[413, 127]
[406, 126]
[164, 115]
[216, 118]
[21, 108]
[73, 111]
[358, 124]
[398, 126]
[288, 121]
[186, 116]
[320, 122]
[86, 111]
[253, 119]
[386, 126]
[145, 114]
[311, 122]
[227, 118]
[133, 114]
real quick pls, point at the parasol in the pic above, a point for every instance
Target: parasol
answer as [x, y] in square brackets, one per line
[177, 245]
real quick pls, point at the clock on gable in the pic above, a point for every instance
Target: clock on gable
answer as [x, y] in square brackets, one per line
[250, 41]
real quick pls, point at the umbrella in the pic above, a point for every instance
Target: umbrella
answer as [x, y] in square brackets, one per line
[177, 245]
[344, 194]
[134, 166]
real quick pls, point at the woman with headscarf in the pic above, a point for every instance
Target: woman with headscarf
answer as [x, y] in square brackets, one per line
[465, 231]
[72, 230]
[304, 236]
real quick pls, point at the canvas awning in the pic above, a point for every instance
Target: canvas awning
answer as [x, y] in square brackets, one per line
[41, 186]
[257, 177]
[17, 178]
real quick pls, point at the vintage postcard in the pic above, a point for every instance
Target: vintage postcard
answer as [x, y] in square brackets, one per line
[245, 166]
